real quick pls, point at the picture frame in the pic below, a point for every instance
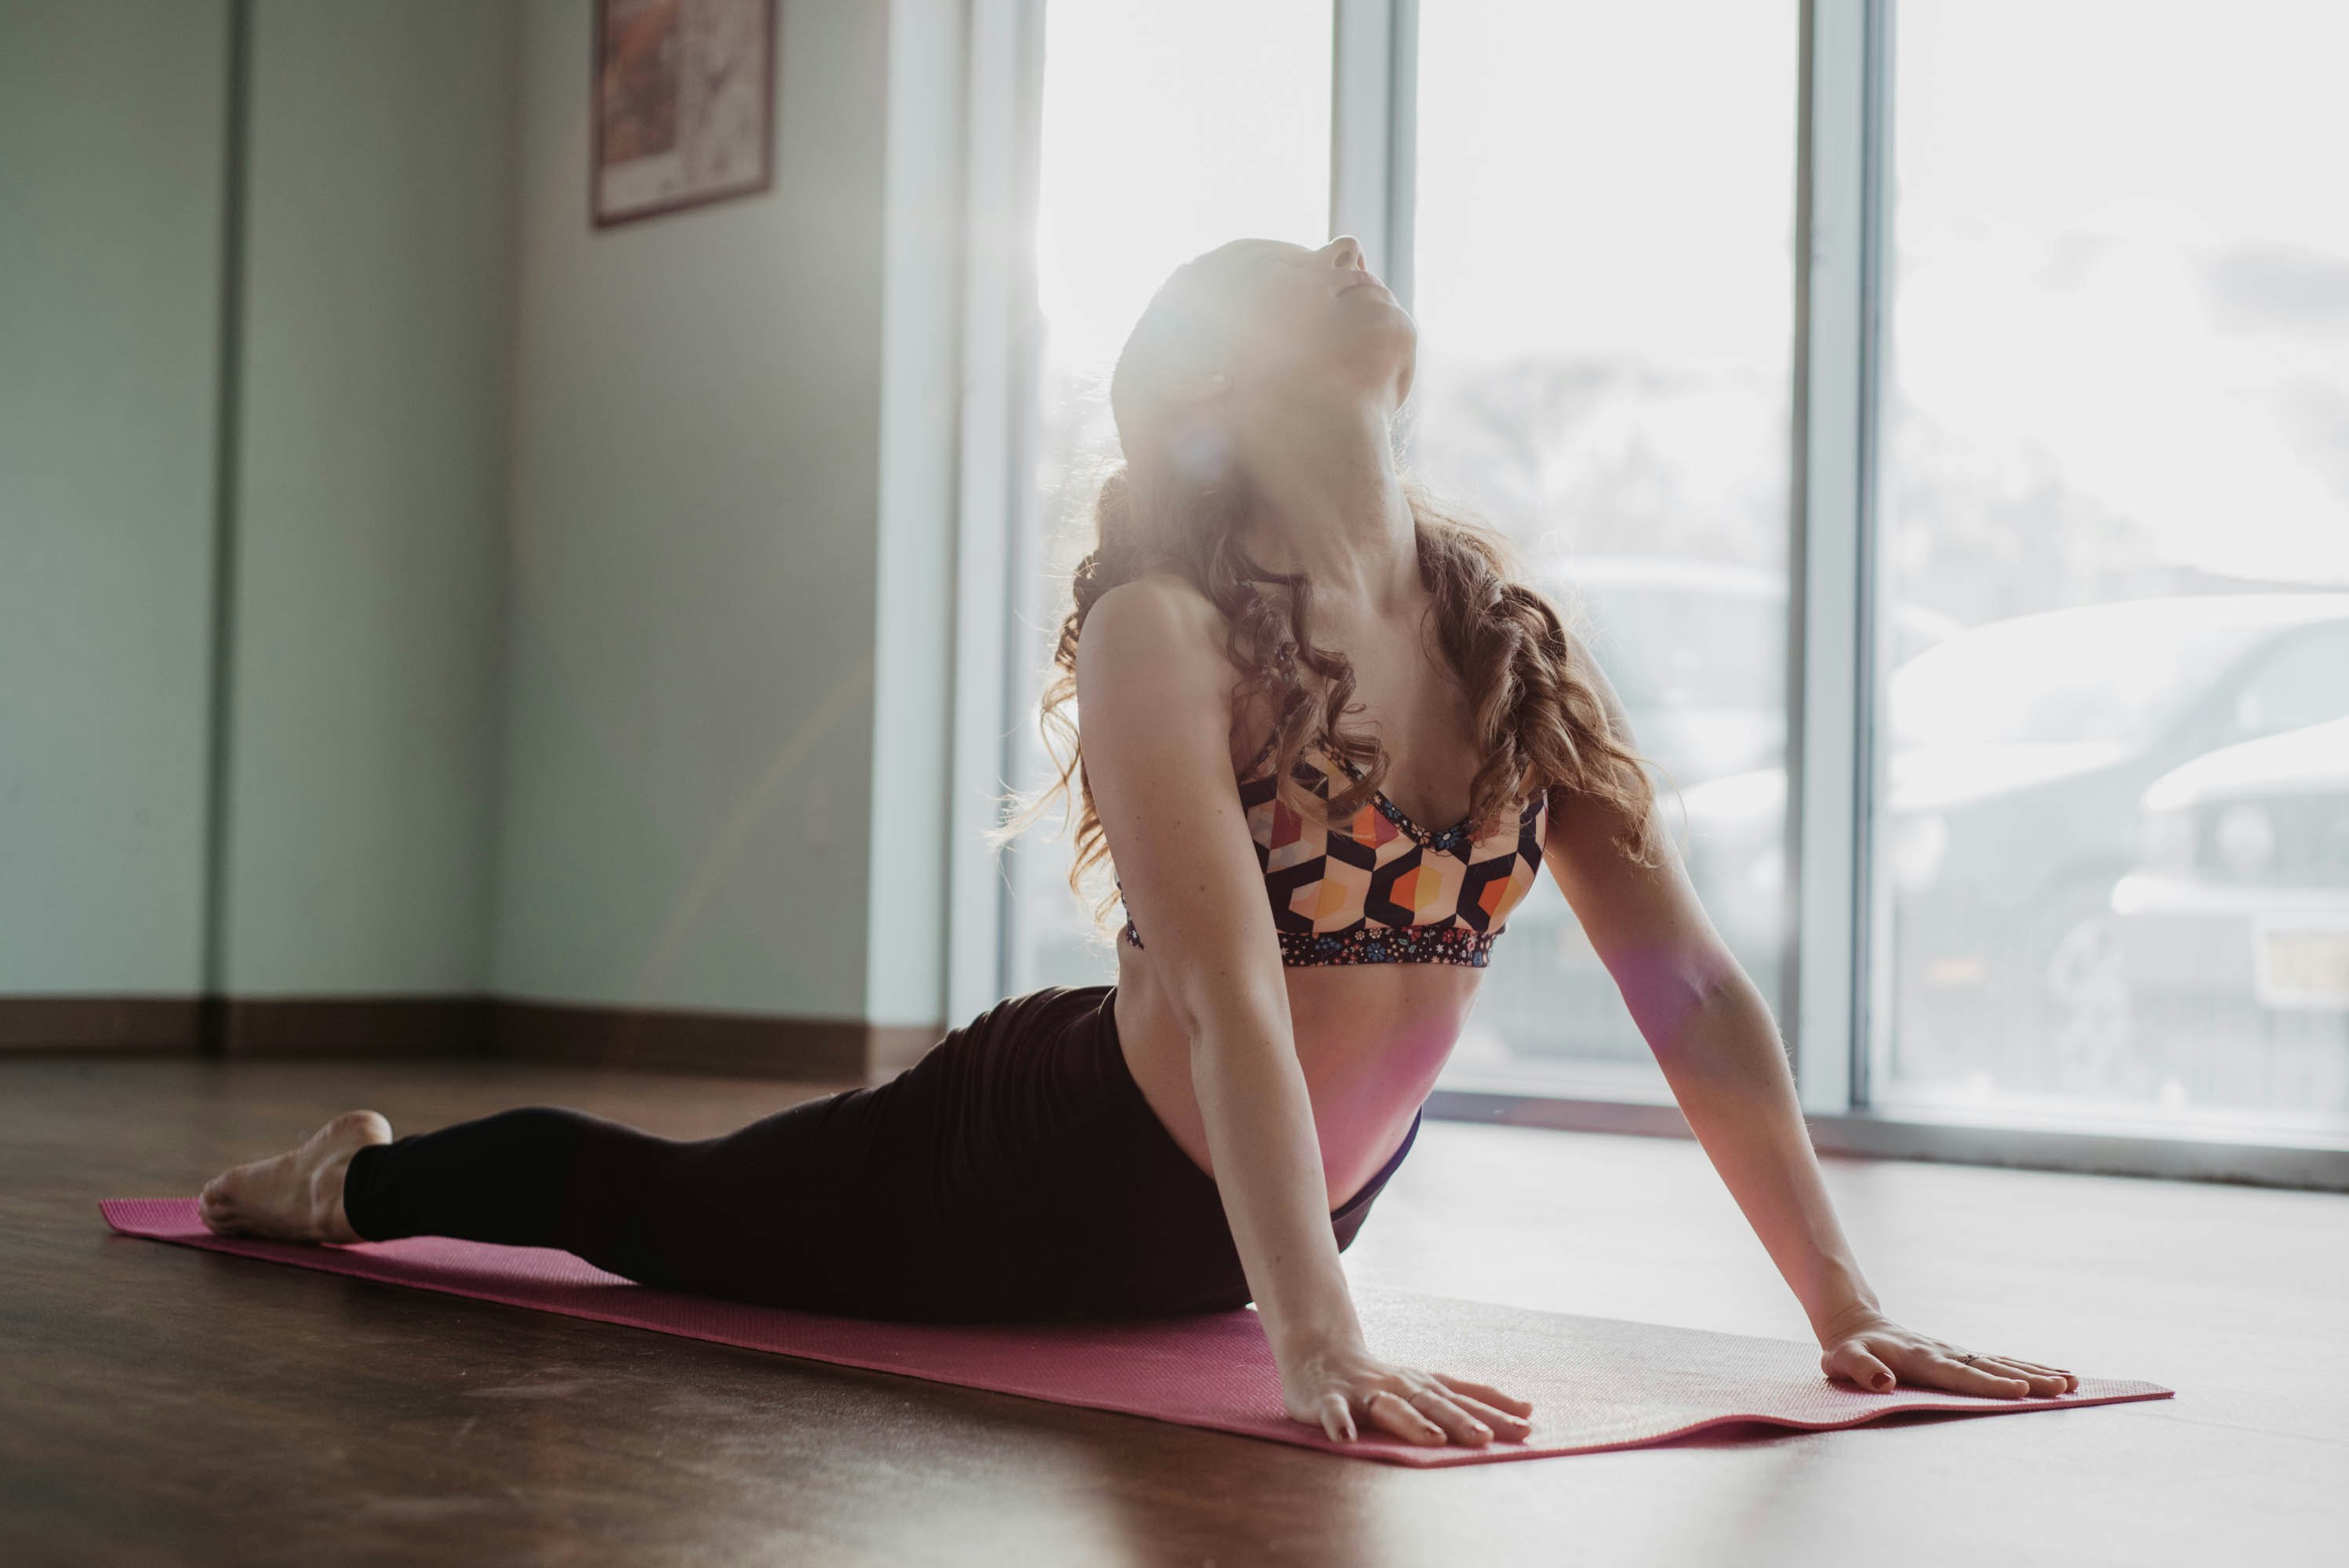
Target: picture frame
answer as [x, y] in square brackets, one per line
[682, 106]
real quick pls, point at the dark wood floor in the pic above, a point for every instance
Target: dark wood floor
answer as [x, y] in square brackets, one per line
[164, 1404]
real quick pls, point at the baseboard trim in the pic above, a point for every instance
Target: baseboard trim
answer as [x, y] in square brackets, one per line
[100, 1023]
[680, 1040]
[345, 1026]
[677, 1040]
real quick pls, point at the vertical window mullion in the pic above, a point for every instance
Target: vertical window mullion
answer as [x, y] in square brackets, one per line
[1830, 761]
[1871, 985]
[997, 440]
[1371, 131]
[1402, 150]
[1374, 139]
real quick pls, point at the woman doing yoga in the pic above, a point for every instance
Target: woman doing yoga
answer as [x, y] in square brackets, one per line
[1327, 740]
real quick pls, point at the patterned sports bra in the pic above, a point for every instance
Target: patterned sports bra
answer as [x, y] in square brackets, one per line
[1379, 888]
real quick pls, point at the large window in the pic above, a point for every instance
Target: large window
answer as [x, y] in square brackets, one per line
[1985, 619]
[2113, 821]
[1604, 375]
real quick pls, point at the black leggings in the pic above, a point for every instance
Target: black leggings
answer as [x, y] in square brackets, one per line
[1014, 1173]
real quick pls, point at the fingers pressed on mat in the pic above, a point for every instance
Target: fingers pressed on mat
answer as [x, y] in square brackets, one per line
[1487, 1393]
[1858, 1364]
[1960, 1377]
[2039, 1382]
[1457, 1424]
[2068, 1380]
[1504, 1424]
[1401, 1417]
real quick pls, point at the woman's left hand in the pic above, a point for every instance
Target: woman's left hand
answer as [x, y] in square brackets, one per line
[1877, 1353]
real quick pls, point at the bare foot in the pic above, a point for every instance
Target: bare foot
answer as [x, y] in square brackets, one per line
[297, 1196]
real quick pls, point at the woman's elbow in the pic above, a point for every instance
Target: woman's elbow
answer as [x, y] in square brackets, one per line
[1667, 991]
[1218, 1015]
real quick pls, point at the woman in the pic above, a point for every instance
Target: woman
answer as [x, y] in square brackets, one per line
[1293, 670]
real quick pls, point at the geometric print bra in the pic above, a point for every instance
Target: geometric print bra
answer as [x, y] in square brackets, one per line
[1378, 888]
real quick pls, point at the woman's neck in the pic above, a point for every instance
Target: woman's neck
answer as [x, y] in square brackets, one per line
[1327, 503]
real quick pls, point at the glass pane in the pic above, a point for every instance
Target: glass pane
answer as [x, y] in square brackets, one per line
[2114, 842]
[1160, 139]
[1604, 293]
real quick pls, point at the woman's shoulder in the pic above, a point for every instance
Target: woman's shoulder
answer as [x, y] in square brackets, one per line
[1157, 616]
[1153, 649]
[1163, 592]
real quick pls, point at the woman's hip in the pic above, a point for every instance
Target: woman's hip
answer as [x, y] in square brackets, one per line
[1046, 1183]
[1057, 1192]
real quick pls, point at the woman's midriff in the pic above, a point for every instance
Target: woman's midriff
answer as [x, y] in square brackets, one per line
[1371, 1039]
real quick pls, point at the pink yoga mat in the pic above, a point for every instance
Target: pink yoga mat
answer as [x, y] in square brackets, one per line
[1597, 1383]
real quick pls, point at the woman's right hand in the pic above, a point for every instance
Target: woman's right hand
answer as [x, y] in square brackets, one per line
[1334, 1386]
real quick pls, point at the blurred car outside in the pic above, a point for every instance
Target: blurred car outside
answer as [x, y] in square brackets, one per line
[1697, 651]
[2017, 753]
[2233, 930]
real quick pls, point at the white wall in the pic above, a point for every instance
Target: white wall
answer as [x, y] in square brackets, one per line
[369, 546]
[590, 609]
[112, 124]
[695, 479]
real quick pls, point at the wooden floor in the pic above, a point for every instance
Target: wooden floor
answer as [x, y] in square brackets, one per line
[164, 1404]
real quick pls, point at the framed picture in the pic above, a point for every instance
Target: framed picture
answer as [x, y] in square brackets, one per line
[684, 105]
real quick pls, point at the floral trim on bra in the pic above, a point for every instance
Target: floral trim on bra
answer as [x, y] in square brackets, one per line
[1378, 888]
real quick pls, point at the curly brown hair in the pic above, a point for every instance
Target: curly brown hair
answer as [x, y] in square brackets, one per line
[1538, 717]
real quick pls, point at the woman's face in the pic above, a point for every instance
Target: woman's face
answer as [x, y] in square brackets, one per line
[1300, 319]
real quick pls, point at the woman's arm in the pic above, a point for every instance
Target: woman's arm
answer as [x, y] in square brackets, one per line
[1153, 695]
[1154, 708]
[1714, 1036]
